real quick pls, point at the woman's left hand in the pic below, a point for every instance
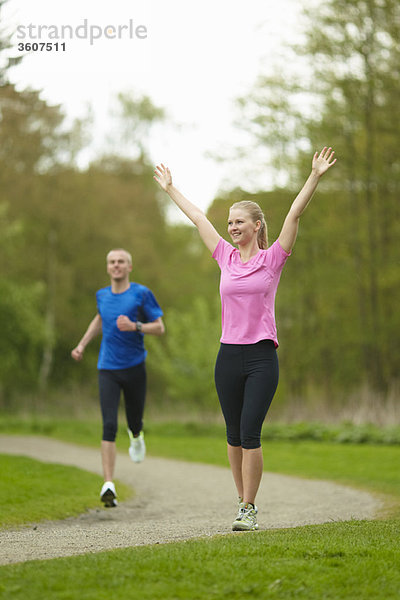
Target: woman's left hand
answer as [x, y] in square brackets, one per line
[323, 161]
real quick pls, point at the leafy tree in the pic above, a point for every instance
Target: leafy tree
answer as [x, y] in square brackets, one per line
[136, 117]
[186, 357]
[355, 45]
[347, 253]
[7, 59]
[21, 322]
[33, 137]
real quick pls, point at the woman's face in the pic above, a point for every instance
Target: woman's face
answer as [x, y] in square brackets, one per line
[241, 228]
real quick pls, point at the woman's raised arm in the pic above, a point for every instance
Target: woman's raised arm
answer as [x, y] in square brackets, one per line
[320, 164]
[207, 232]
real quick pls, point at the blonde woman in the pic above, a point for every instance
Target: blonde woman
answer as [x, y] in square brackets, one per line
[246, 370]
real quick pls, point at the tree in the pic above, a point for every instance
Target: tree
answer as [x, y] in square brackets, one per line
[33, 137]
[356, 47]
[136, 116]
[186, 357]
[21, 322]
[348, 97]
[7, 59]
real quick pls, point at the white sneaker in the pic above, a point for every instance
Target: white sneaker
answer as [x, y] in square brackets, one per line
[108, 495]
[246, 519]
[137, 449]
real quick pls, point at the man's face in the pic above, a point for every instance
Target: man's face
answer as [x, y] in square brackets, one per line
[118, 265]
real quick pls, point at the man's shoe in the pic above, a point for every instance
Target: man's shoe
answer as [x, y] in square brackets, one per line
[108, 495]
[246, 519]
[137, 449]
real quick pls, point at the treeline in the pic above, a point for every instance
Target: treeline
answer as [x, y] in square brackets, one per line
[344, 291]
[337, 314]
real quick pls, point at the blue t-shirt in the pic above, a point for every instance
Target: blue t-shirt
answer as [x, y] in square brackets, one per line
[124, 349]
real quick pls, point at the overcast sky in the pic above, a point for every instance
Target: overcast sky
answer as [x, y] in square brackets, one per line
[193, 59]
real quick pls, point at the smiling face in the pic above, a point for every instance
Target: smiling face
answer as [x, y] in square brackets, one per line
[119, 265]
[242, 229]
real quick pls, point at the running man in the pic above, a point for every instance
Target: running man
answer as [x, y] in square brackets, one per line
[126, 312]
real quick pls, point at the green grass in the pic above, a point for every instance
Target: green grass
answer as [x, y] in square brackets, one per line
[356, 559]
[374, 467]
[342, 433]
[42, 491]
[33, 491]
[369, 466]
[334, 561]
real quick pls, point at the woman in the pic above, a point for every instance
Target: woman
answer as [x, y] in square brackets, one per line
[246, 370]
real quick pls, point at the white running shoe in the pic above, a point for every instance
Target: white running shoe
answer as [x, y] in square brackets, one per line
[240, 506]
[108, 495]
[246, 519]
[137, 449]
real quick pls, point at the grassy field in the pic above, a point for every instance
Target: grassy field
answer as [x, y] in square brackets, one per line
[292, 450]
[41, 491]
[333, 561]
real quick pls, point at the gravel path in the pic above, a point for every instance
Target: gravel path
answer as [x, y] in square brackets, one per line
[174, 501]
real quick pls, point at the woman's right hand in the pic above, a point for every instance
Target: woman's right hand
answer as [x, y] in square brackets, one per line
[207, 232]
[163, 177]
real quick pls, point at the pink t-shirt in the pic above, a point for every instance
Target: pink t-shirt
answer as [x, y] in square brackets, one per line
[248, 293]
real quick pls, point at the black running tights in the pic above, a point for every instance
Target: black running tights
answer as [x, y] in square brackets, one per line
[132, 382]
[246, 378]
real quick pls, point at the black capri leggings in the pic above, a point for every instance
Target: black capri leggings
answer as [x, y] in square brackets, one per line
[132, 382]
[246, 378]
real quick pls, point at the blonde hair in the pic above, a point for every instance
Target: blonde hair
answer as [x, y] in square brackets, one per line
[256, 214]
[128, 254]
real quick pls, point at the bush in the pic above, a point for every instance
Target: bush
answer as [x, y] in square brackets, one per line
[184, 359]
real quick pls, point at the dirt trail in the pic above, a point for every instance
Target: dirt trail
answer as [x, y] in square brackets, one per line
[174, 501]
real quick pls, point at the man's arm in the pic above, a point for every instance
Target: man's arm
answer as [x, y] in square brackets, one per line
[92, 331]
[153, 328]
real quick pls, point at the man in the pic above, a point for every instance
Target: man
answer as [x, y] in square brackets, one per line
[126, 311]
